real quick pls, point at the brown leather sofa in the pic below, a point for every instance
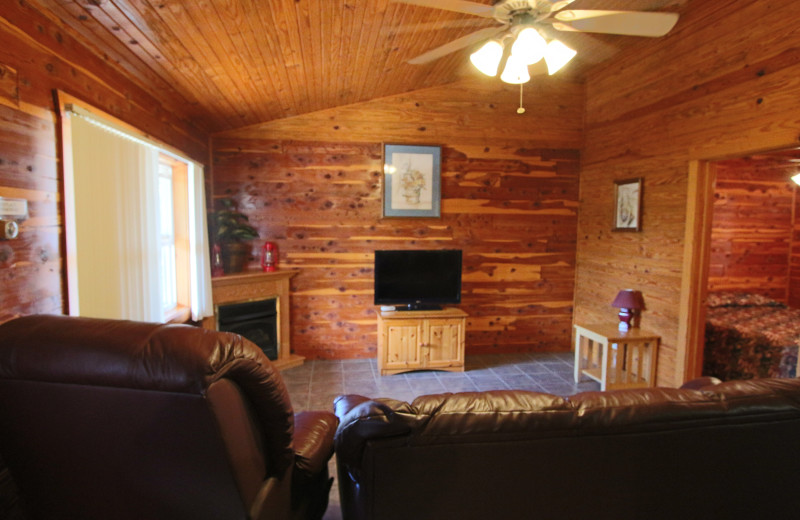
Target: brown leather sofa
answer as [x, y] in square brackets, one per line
[726, 451]
[103, 419]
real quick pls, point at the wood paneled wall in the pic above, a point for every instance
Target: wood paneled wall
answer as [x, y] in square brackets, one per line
[752, 227]
[36, 57]
[724, 83]
[794, 260]
[509, 201]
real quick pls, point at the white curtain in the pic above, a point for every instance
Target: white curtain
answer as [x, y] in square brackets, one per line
[112, 221]
[199, 259]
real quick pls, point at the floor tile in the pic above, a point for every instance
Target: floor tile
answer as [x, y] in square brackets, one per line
[506, 370]
[533, 368]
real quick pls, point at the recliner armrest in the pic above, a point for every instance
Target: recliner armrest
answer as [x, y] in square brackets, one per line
[313, 442]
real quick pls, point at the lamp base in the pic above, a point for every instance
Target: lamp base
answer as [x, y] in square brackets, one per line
[625, 316]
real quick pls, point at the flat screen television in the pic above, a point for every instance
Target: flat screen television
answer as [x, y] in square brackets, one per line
[417, 279]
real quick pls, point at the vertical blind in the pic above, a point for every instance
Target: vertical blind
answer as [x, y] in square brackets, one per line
[112, 220]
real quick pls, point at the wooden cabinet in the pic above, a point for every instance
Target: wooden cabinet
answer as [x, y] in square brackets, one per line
[421, 340]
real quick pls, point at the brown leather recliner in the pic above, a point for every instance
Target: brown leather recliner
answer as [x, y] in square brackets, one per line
[104, 419]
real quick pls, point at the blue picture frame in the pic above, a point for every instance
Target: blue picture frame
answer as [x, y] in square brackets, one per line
[412, 179]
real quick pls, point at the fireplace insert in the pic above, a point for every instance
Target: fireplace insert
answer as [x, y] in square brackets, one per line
[256, 321]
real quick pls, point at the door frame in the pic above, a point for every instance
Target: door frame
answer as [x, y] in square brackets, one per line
[696, 258]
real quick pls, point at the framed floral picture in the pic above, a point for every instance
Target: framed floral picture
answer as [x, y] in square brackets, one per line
[628, 205]
[411, 181]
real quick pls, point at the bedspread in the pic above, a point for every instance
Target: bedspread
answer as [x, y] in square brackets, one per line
[750, 336]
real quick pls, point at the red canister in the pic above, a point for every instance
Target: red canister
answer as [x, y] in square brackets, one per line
[216, 261]
[269, 256]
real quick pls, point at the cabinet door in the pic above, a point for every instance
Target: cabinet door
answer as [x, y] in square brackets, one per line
[402, 344]
[443, 345]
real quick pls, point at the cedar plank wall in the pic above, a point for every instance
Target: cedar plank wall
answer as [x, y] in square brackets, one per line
[794, 261]
[724, 83]
[509, 201]
[752, 225]
[37, 56]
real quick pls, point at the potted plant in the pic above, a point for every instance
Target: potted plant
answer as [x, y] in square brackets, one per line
[232, 232]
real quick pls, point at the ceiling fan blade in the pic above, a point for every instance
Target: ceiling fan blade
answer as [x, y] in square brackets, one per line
[458, 6]
[592, 49]
[460, 43]
[633, 23]
[559, 5]
[470, 23]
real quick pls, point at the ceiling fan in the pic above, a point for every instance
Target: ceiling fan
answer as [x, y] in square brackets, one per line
[524, 35]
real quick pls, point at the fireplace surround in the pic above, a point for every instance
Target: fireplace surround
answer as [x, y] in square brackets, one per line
[246, 293]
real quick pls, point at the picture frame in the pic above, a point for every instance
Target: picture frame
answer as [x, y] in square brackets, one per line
[411, 181]
[628, 205]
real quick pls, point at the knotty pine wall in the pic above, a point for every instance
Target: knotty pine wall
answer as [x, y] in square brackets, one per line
[509, 201]
[752, 227]
[37, 55]
[724, 83]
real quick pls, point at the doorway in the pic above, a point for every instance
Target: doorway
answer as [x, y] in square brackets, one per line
[699, 248]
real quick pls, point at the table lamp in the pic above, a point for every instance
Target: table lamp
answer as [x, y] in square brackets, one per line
[629, 303]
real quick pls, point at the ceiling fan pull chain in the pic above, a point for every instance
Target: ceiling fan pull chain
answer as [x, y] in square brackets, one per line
[521, 109]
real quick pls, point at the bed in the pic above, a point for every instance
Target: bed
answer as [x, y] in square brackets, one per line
[750, 336]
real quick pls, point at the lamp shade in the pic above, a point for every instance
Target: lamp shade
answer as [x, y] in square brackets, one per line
[515, 71]
[628, 299]
[529, 46]
[796, 178]
[487, 58]
[557, 55]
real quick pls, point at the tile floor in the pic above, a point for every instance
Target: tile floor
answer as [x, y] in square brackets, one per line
[315, 384]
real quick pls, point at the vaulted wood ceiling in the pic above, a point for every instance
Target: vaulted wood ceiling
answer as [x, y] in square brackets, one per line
[239, 62]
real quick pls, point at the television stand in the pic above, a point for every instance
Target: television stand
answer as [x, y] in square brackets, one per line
[421, 340]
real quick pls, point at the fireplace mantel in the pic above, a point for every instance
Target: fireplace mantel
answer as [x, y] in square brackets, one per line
[254, 285]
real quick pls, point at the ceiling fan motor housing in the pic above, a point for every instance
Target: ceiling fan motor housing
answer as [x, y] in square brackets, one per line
[505, 11]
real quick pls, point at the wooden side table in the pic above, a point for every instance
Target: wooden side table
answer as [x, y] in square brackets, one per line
[615, 358]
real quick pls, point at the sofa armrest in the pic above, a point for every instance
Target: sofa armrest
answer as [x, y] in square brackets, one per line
[362, 419]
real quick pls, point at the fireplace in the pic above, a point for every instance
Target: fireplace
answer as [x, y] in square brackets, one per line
[241, 297]
[256, 321]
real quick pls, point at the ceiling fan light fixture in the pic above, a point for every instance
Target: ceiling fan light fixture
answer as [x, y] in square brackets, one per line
[515, 71]
[529, 46]
[557, 55]
[487, 58]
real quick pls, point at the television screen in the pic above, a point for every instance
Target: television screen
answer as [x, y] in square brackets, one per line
[418, 279]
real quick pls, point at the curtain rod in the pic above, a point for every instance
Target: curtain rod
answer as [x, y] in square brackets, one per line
[124, 132]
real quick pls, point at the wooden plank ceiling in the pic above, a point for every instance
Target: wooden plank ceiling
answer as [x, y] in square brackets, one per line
[242, 62]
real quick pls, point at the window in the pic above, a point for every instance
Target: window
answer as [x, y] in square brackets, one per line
[169, 287]
[135, 225]
[173, 190]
